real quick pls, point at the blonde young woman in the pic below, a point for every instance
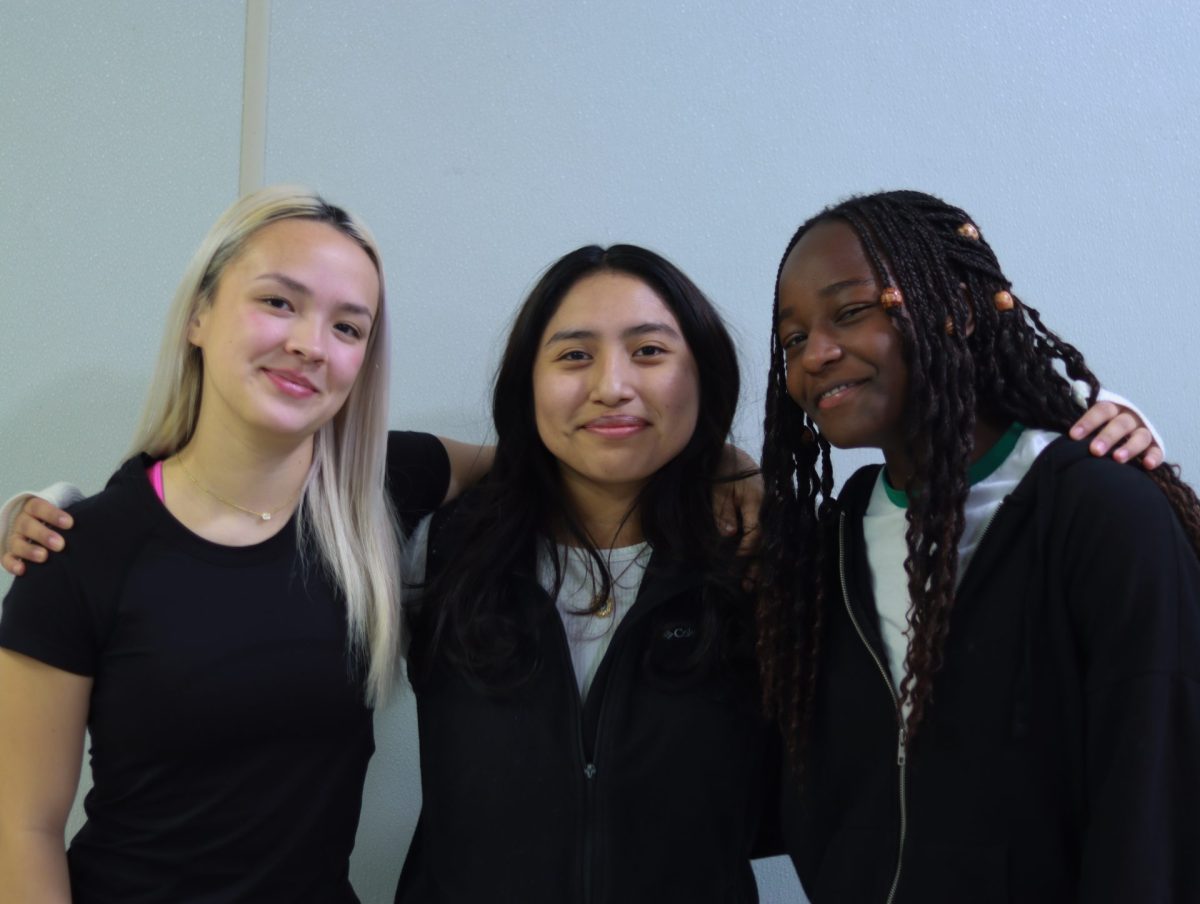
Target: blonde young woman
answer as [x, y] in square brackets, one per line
[227, 611]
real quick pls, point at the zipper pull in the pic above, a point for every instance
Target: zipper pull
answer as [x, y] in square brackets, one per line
[901, 752]
[589, 771]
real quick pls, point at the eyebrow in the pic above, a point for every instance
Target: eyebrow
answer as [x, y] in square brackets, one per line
[828, 292]
[349, 307]
[640, 329]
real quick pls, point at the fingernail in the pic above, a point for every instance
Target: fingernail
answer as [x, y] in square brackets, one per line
[56, 542]
[1120, 455]
[65, 521]
[1100, 447]
[1076, 432]
[728, 527]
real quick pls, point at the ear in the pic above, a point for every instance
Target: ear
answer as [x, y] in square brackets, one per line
[196, 330]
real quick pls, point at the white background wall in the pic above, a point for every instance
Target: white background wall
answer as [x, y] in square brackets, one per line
[484, 139]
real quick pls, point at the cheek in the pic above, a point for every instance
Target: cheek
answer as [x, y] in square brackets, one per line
[682, 403]
[794, 379]
[547, 405]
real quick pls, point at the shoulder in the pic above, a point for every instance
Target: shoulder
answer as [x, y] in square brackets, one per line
[107, 525]
[1086, 487]
[856, 492]
[59, 611]
[418, 474]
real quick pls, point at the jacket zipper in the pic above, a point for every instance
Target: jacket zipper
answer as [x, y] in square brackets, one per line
[902, 740]
[902, 735]
[589, 769]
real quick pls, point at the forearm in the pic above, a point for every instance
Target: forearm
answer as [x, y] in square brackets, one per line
[33, 866]
[468, 465]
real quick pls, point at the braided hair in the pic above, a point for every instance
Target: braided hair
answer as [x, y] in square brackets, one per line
[967, 356]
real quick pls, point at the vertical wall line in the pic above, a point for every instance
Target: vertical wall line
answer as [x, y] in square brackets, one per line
[252, 161]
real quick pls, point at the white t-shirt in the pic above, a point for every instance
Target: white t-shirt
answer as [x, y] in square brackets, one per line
[588, 635]
[993, 477]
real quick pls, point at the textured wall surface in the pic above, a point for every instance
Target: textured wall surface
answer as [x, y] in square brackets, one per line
[118, 147]
[483, 140]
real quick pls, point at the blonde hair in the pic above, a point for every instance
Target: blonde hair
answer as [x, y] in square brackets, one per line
[345, 512]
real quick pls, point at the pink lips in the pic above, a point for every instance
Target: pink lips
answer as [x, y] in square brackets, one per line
[616, 426]
[291, 383]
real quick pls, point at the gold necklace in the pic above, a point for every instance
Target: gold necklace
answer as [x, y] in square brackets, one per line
[610, 605]
[262, 516]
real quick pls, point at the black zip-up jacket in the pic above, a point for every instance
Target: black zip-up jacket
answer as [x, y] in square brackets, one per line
[653, 792]
[1060, 757]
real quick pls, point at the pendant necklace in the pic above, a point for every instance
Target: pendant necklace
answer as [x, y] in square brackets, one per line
[261, 516]
[610, 605]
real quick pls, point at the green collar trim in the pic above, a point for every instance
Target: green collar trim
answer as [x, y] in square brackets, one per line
[982, 469]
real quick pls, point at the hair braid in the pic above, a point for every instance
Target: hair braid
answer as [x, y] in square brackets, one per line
[965, 358]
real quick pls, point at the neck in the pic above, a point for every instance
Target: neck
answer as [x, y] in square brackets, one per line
[263, 479]
[608, 514]
[899, 462]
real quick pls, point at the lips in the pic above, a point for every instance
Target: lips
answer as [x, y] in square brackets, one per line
[616, 426]
[291, 383]
[833, 395]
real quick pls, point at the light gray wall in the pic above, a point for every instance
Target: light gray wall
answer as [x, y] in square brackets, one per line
[118, 147]
[483, 140]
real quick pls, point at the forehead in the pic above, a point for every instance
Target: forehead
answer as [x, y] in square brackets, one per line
[311, 252]
[610, 300]
[829, 253]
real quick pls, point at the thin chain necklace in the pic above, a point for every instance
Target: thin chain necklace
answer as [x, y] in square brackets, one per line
[262, 516]
[610, 605]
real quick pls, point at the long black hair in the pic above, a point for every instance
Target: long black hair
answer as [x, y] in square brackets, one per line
[968, 354]
[469, 611]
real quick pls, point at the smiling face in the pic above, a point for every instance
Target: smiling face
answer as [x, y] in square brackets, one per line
[845, 357]
[615, 387]
[285, 335]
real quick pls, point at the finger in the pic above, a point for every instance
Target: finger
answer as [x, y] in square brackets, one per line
[1153, 457]
[26, 527]
[1093, 419]
[750, 577]
[751, 540]
[47, 512]
[23, 549]
[1121, 426]
[724, 510]
[1134, 445]
[12, 565]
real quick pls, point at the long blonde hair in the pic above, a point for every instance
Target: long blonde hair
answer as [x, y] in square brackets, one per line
[345, 512]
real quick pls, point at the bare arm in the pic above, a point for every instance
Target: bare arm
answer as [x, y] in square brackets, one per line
[468, 465]
[43, 715]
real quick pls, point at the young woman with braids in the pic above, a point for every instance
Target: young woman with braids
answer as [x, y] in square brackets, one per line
[985, 655]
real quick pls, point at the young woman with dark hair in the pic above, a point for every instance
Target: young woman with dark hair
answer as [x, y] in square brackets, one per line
[985, 656]
[583, 653]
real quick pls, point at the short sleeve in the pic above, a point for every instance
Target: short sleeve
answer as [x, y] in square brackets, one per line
[47, 617]
[418, 475]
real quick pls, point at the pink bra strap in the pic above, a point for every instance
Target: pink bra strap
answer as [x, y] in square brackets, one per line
[154, 472]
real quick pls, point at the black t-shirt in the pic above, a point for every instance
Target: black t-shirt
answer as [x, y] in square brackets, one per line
[229, 734]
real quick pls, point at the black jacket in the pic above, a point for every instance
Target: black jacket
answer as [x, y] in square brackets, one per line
[1060, 757]
[653, 791]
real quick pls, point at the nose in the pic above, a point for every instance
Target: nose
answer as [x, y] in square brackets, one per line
[307, 339]
[820, 350]
[612, 379]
